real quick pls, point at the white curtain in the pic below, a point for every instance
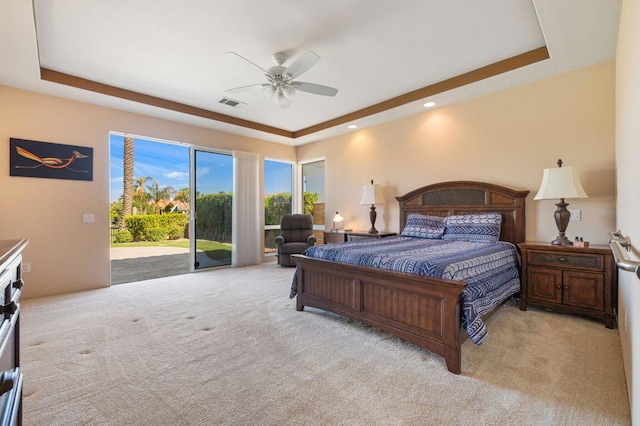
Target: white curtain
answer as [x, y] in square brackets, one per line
[246, 210]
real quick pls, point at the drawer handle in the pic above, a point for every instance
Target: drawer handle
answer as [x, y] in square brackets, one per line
[18, 284]
[7, 381]
[562, 259]
[8, 309]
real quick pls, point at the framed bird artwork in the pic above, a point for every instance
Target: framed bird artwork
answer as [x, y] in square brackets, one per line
[50, 160]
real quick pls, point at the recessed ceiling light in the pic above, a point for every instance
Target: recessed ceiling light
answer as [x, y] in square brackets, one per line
[352, 126]
[430, 104]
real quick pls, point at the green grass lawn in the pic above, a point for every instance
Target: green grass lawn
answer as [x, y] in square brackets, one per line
[203, 245]
[182, 242]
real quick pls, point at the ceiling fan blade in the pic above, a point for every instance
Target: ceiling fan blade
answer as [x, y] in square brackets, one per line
[316, 89]
[249, 87]
[252, 63]
[302, 64]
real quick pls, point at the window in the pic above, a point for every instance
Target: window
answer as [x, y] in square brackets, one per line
[278, 190]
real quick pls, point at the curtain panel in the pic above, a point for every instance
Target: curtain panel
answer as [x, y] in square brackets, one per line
[245, 229]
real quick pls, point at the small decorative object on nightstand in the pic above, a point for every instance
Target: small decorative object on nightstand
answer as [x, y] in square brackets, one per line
[352, 236]
[578, 280]
[561, 182]
[372, 194]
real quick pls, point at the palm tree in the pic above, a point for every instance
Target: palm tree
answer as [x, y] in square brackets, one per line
[127, 193]
[141, 197]
[138, 185]
[182, 195]
[160, 194]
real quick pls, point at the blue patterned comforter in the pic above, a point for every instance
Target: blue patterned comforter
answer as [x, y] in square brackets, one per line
[491, 270]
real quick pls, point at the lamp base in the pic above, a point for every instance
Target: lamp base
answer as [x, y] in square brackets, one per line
[561, 240]
[562, 216]
[372, 218]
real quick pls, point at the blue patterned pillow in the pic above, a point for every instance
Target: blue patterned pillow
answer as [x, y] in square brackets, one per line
[423, 226]
[473, 227]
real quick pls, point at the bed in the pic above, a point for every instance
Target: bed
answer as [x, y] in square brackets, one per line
[423, 310]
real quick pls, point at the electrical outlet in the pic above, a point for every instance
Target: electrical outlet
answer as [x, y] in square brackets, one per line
[575, 214]
[26, 267]
[88, 217]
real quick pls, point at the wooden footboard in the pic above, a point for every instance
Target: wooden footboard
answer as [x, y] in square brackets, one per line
[422, 310]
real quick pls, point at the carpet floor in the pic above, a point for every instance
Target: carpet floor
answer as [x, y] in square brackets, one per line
[227, 347]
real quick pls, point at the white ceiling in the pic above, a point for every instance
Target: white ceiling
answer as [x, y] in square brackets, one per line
[371, 50]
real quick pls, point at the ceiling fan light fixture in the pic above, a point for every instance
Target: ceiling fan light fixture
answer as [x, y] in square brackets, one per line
[280, 98]
[269, 90]
[288, 92]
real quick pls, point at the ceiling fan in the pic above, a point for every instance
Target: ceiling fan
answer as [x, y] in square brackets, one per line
[280, 79]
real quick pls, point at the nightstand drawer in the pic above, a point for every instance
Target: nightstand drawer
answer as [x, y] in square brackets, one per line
[335, 237]
[589, 262]
[356, 236]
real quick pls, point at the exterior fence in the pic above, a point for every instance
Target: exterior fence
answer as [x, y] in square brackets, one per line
[114, 231]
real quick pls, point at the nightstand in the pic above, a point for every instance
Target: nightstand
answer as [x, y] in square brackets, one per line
[578, 280]
[335, 237]
[352, 236]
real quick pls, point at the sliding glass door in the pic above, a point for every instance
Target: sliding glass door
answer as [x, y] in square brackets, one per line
[212, 192]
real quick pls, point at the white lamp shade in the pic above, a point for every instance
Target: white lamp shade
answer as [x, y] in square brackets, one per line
[337, 221]
[372, 194]
[560, 182]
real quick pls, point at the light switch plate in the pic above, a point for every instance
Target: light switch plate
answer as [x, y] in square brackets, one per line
[575, 215]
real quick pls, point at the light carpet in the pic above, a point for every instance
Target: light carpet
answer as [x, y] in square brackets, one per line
[228, 347]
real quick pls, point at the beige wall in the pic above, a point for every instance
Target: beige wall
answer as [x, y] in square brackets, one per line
[67, 255]
[628, 202]
[506, 138]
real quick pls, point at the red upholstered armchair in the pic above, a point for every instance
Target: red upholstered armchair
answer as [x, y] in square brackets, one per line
[296, 235]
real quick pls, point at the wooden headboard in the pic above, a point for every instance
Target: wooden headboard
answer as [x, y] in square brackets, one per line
[462, 197]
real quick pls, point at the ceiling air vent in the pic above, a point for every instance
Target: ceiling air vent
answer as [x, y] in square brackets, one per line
[232, 103]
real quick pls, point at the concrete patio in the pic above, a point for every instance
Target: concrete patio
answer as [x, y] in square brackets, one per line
[129, 264]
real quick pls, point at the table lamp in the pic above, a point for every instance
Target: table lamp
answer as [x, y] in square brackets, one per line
[337, 222]
[372, 194]
[561, 182]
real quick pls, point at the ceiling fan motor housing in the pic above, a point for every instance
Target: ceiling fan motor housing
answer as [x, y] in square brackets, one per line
[278, 72]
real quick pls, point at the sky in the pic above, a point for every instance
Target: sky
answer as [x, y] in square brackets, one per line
[168, 163]
[277, 177]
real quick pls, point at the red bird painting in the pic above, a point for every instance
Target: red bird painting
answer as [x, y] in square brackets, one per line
[53, 163]
[36, 159]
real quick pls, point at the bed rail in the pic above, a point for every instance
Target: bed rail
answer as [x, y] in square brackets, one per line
[620, 246]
